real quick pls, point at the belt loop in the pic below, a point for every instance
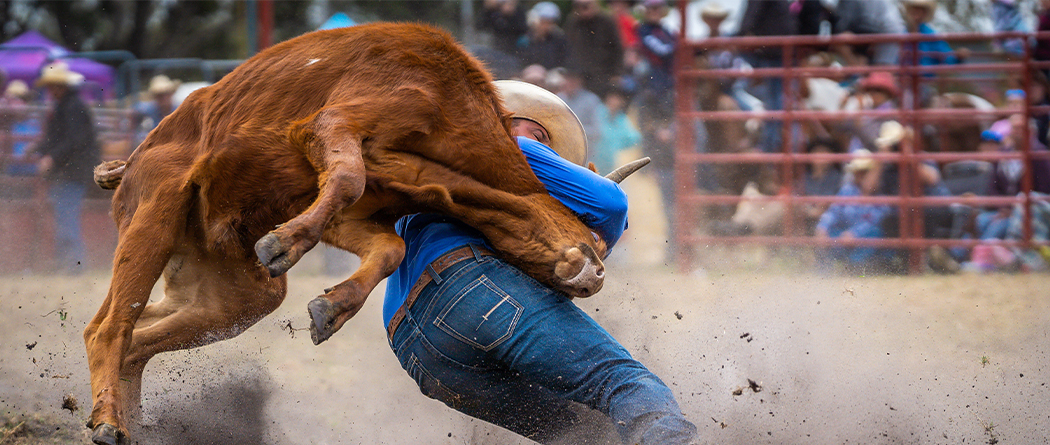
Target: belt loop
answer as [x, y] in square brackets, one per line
[433, 274]
[477, 255]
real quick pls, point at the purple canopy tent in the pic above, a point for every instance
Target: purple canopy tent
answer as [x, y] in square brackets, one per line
[24, 56]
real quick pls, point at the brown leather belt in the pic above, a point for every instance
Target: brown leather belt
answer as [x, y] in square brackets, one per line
[436, 267]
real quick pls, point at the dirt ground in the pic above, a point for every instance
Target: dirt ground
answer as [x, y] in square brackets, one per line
[834, 360]
[877, 360]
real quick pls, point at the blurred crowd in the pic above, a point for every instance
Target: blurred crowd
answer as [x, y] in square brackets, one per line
[612, 63]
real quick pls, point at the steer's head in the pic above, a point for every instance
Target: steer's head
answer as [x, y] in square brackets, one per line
[548, 242]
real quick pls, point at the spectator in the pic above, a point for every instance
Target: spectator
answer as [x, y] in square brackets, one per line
[931, 52]
[769, 18]
[713, 14]
[885, 179]
[1006, 17]
[148, 114]
[621, 12]
[618, 132]
[849, 221]
[594, 46]
[1042, 46]
[535, 74]
[878, 91]
[820, 178]
[867, 17]
[657, 48]
[813, 17]
[545, 44]
[1008, 173]
[506, 20]
[21, 128]
[69, 151]
[1003, 222]
[587, 105]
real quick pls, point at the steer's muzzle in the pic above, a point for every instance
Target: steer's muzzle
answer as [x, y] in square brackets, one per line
[581, 271]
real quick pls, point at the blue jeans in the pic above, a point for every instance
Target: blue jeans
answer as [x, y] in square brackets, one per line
[494, 344]
[67, 198]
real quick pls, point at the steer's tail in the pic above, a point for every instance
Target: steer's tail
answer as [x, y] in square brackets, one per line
[108, 174]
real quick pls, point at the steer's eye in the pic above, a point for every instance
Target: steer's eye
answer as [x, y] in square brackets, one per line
[596, 237]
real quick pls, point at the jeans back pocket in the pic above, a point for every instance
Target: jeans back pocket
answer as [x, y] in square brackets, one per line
[481, 315]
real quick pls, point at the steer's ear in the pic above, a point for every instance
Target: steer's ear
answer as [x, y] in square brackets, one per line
[591, 166]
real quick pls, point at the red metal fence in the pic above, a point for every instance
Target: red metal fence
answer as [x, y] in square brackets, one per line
[995, 68]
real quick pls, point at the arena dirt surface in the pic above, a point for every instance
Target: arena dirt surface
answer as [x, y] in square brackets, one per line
[844, 359]
[765, 356]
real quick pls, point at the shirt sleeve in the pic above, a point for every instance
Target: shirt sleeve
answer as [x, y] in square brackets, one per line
[600, 203]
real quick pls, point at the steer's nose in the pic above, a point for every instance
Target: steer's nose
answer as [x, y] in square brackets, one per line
[581, 271]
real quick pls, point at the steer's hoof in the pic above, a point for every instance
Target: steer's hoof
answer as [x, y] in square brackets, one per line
[106, 434]
[273, 255]
[322, 317]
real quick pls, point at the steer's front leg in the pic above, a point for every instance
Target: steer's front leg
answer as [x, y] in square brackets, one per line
[380, 249]
[335, 152]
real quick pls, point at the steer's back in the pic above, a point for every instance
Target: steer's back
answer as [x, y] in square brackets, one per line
[240, 144]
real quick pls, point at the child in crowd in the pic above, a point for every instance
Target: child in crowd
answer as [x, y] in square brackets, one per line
[618, 132]
[848, 221]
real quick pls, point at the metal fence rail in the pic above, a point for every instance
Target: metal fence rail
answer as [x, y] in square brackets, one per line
[911, 78]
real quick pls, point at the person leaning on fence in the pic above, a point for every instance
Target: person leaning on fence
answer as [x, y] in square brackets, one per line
[69, 150]
[480, 336]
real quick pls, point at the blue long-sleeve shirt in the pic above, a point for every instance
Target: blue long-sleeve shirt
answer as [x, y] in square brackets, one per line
[599, 203]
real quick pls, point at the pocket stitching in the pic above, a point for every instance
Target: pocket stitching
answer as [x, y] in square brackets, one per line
[439, 321]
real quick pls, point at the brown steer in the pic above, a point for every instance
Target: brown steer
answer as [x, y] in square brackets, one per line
[329, 137]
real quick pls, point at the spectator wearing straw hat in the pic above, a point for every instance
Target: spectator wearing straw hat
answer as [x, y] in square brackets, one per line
[69, 150]
[886, 180]
[149, 113]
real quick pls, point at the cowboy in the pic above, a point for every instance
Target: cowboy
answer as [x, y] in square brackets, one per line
[486, 340]
[69, 150]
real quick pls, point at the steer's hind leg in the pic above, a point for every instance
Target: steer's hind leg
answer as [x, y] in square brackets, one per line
[146, 243]
[380, 249]
[206, 299]
[335, 152]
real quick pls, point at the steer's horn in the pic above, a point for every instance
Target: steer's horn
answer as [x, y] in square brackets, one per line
[623, 172]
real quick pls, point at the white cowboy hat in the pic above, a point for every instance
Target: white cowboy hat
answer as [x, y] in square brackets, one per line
[862, 161]
[527, 101]
[58, 73]
[890, 133]
[161, 84]
[16, 88]
[713, 10]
